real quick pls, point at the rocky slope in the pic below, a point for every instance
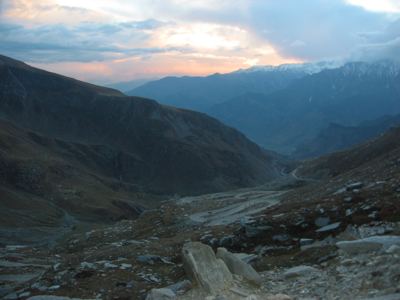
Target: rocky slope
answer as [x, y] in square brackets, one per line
[47, 185]
[338, 137]
[164, 149]
[375, 156]
[89, 152]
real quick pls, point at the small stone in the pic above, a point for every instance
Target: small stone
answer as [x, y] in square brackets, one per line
[340, 191]
[280, 237]
[161, 294]
[330, 227]
[322, 221]
[354, 186]
[373, 215]
[56, 266]
[394, 249]
[348, 199]
[347, 262]
[305, 242]
[87, 265]
[24, 295]
[299, 271]
[109, 265]
[125, 266]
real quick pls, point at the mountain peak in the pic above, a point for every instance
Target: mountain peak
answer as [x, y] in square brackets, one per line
[306, 68]
[379, 68]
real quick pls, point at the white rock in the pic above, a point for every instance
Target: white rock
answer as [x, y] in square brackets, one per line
[299, 271]
[161, 294]
[238, 266]
[370, 244]
[330, 227]
[394, 249]
[204, 268]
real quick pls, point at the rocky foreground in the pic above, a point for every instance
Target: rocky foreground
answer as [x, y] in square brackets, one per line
[346, 245]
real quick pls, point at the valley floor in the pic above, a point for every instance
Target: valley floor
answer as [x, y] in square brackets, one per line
[293, 245]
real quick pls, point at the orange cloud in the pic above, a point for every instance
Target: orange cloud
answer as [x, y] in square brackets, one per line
[162, 64]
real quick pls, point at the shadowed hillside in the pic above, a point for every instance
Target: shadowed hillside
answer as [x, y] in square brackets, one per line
[75, 148]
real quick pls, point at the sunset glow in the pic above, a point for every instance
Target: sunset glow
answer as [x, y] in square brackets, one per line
[104, 41]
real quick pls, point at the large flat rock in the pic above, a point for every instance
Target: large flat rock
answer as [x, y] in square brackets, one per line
[373, 243]
[238, 266]
[201, 265]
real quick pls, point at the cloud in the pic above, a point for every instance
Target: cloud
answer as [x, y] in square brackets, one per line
[380, 45]
[388, 6]
[305, 29]
[83, 42]
[161, 35]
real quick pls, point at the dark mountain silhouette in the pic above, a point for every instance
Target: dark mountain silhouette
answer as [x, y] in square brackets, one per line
[109, 150]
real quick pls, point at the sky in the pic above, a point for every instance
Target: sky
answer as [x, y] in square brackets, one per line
[106, 41]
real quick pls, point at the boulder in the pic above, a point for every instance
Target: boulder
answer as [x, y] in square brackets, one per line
[161, 294]
[204, 269]
[238, 266]
[370, 244]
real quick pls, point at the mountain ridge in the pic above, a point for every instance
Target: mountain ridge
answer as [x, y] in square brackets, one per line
[92, 154]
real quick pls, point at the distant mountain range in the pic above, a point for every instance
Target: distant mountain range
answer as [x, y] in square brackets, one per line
[126, 86]
[201, 93]
[287, 107]
[71, 148]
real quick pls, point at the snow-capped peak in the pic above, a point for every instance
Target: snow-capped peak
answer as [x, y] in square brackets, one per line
[306, 68]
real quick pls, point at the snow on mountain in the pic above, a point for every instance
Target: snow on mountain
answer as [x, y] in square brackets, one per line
[306, 68]
[383, 68]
